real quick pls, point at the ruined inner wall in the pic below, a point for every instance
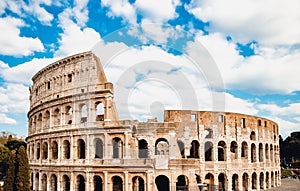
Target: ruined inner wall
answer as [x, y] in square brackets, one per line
[76, 141]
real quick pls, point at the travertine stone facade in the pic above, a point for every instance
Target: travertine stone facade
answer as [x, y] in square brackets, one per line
[76, 141]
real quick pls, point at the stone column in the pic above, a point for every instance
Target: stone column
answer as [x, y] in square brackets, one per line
[105, 181]
[148, 186]
[126, 181]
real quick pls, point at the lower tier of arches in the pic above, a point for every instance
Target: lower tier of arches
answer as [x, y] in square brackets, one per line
[152, 180]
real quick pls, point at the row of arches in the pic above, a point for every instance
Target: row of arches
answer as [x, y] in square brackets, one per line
[64, 116]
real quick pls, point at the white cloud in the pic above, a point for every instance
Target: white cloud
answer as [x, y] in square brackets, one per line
[75, 40]
[6, 120]
[120, 8]
[12, 43]
[271, 70]
[25, 71]
[270, 22]
[156, 10]
[292, 109]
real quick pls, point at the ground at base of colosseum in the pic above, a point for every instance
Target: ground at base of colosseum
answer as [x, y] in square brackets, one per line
[288, 185]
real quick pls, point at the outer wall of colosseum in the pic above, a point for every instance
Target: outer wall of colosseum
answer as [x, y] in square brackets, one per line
[76, 141]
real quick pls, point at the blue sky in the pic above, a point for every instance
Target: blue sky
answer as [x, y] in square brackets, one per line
[194, 52]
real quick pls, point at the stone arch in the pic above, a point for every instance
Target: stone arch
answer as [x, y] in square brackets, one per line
[45, 151]
[194, 151]
[161, 147]
[117, 183]
[182, 183]
[54, 150]
[47, 120]
[267, 151]
[66, 184]
[117, 148]
[162, 183]
[222, 181]
[81, 149]
[245, 180]
[235, 182]
[83, 113]
[272, 179]
[56, 117]
[267, 180]
[208, 151]
[99, 111]
[222, 151]
[38, 151]
[261, 180]
[209, 180]
[80, 182]
[234, 150]
[98, 183]
[254, 180]
[143, 149]
[39, 121]
[36, 180]
[138, 184]
[244, 151]
[53, 183]
[181, 148]
[66, 149]
[98, 148]
[44, 182]
[253, 152]
[69, 114]
[32, 151]
[271, 152]
[260, 152]
[252, 136]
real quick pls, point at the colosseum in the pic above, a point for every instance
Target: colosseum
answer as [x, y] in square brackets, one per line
[77, 143]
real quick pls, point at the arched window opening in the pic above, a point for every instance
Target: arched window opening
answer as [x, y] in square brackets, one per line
[221, 151]
[66, 149]
[260, 153]
[45, 150]
[117, 148]
[83, 117]
[98, 184]
[181, 148]
[252, 136]
[221, 179]
[253, 153]
[245, 181]
[117, 183]
[99, 149]
[39, 121]
[80, 183]
[32, 151]
[138, 184]
[69, 113]
[272, 179]
[56, 117]
[254, 181]
[162, 183]
[244, 151]
[54, 149]
[38, 151]
[81, 149]
[31, 181]
[47, 120]
[69, 78]
[208, 133]
[234, 150]
[194, 151]
[267, 180]
[143, 149]
[161, 147]
[99, 111]
[44, 182]
[53, 182]
[271, 152]
[261, 180]
[209, 180]
[66, 183]
[259, 122]
[182, 183]
[235, 182]
[208, 151]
